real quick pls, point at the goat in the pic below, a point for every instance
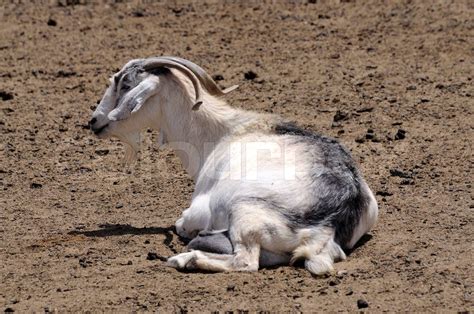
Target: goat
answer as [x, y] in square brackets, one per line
[266, 192]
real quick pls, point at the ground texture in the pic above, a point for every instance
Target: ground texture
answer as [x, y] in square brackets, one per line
[392, 80]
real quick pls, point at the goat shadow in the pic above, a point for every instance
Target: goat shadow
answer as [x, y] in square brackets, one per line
[110, 230]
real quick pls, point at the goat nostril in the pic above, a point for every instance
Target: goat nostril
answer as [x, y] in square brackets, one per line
[93, 120]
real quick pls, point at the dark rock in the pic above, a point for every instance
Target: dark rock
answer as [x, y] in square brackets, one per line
[9, 310]
[399, 173]
[138, 13]
[334, 282]
[101, 152]
[119, 205]
[147, 242]
[362, 304]
[370, 135]
[154, 256]
[218, 77]
[250, 75]
[400, 134]
[424, 100]
[411, 87]
[35, 185]
[335, 56]
[383, 193]
[231, 288]
[367, 109]
[52, 22]
[6, 96]
[340, 116]
[63, 73]
[83, 262]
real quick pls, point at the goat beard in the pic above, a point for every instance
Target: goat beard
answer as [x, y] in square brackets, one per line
[132, 147]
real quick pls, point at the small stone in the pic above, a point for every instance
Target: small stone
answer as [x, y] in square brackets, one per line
[400, 173]
[362, 304]
[231, 288]
[411, 87]
[154, 256]
[52, 22]
[400, 134]
[36, 185]
[9, 310]
[218, 77]
[138, 13]
[119, 205]
[340, 116]
[335, 56]
[384, 193]
[5, 96]
[147, 242]
[250, 75]
[370, 135]
[334, 282]
[101, 152]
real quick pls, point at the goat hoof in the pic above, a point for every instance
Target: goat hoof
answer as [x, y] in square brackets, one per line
[182, 261]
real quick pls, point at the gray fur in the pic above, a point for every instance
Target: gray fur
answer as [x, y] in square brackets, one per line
[339, 199]
[212, 242]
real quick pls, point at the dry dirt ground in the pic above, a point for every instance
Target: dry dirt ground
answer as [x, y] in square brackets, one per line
[76, 230]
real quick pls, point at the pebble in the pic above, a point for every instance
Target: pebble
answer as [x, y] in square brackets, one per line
[340, 116]
[154, 256]
[362, 304]
[35, 185]
[400, 134]
[5, 96]
[52, 22]
[250, 75]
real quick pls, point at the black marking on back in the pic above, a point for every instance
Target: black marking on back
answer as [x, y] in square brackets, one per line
[339, 199]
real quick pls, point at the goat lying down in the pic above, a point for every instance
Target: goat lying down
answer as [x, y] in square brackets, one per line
[267, 192]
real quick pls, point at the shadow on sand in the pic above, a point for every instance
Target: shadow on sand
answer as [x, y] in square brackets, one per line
[110, 230]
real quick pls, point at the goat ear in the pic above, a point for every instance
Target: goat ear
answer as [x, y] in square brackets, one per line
[134, 99]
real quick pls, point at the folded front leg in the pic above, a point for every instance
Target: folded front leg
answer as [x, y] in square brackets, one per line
[194, 219]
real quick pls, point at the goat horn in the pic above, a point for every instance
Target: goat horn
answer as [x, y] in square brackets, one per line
[207, 82]
[152, 63]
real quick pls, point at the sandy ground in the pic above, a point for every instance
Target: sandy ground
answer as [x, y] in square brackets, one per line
[76, 230]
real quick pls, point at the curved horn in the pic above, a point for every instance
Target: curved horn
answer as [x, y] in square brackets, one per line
[206, 81]
[152, 63]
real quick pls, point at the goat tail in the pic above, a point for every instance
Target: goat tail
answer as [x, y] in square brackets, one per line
[319, 253]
